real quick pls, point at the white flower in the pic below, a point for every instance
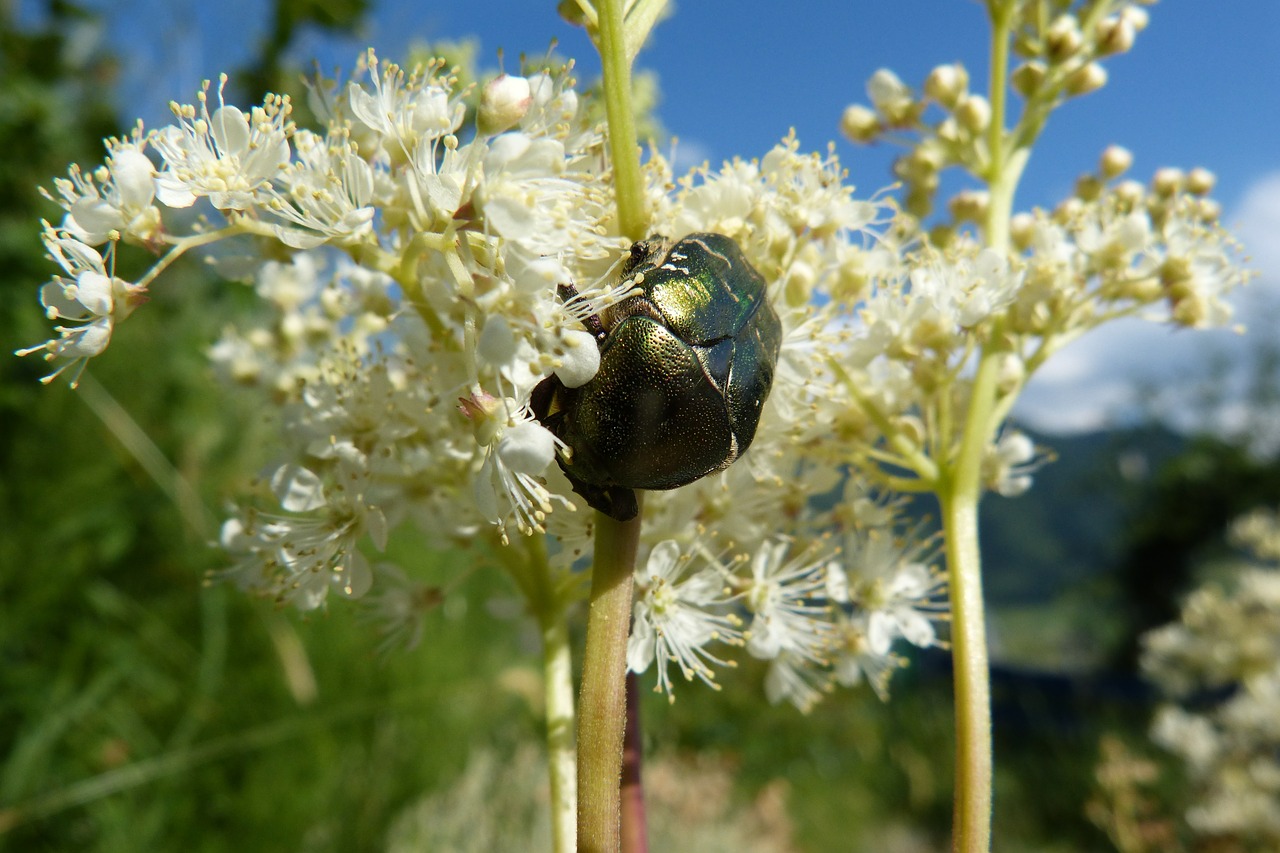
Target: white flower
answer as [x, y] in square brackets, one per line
[89, 297]
[299, 558]
[518, 451]
[118, 203]
[792, 677]
[504, 101]
[966, 290]
[676, 618]
[900, 595]
[327, 191]
[853, 658]
[226, 156]
[405, 109]
[1008, 465]
[783, 598]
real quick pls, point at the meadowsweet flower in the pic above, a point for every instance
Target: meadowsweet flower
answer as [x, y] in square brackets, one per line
[225, 155]
[889, 579]
[1228, 635]
[853, 659]
[89, 297]
[784, 598]
[301, 556]
[115, 201]
[677, 614]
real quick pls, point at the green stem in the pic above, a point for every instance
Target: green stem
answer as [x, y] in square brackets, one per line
[557, 674]
[628, 183]
[557, 668]
[1001, 180]
[602, 701]
[958, 500]
[529, 568]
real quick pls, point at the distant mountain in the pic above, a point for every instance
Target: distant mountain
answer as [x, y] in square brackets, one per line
[1070, 526]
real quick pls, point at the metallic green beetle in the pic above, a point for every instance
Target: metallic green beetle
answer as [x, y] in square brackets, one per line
[685, 366]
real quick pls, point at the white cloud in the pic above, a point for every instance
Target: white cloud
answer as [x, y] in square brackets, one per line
[1129, 368]
[687, 153]
[1257, 224]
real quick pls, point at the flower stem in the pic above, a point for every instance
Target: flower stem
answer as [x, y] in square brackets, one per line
[557, 673]
[602, 702]
[635, 835]
[529, 569]
[628, 183]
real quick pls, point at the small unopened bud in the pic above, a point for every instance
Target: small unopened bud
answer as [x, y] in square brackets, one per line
[1010, 372]
[1207, 210]
[1200, 181]
[1167, 181]
[859, 123]
[1115, 161]
[1090, 78]
[800, 280]
[946, 84]
[1022, 228]
[969, 205]
[1137, 17]
[504, 101]
[1068, 210]
[1114, 35]
[1063, 38]
[1088, 187]
[1028, 78]
[974, 113]
[892, 98]
[1130, 192]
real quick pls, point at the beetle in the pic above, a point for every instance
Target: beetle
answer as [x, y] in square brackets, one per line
[686, 363]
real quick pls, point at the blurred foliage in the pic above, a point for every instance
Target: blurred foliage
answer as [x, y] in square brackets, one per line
[1184, 515]
[271, 71]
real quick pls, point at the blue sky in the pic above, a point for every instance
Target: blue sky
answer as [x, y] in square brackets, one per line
[1201, 87]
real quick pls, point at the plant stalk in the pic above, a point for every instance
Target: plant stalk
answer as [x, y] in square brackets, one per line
[624, 150]
[635, 835]
[602, 703]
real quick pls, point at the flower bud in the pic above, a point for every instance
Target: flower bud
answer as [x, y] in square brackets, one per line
[1137, 17]
[1115, 161]
[1088, 187]
[1200, 181]
[969, 205]
[1207, 210]
[1068, 210]
[572, 13]
[947, 84]
[1022, 228]
[1130, 192]
[1010, 372]
[504, 101]
[859, 123]
[1090, 78]
[1027, 78]
[1063, 39]
[892, 98]
[974, 113]
[1167, 181]
[1114, 35]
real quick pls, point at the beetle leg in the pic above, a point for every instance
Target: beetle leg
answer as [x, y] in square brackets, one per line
[568, 293]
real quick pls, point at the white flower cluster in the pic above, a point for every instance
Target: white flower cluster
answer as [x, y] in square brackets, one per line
[412, 268]
[1221, 664]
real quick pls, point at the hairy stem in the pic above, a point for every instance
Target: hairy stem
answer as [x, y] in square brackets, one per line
[602, 703]
[557, 674]
[628, 183]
